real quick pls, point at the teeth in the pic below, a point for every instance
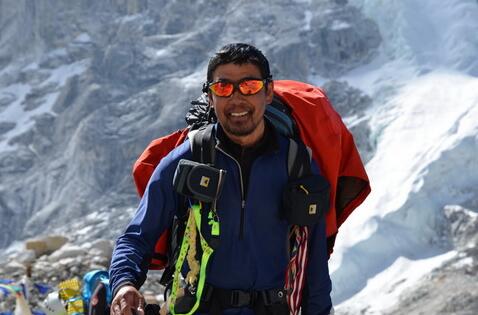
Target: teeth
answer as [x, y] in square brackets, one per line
[238, 114]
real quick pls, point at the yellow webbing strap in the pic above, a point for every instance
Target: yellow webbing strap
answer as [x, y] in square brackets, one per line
[194, 221]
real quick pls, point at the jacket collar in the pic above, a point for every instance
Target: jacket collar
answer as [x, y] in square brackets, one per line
[269, 143]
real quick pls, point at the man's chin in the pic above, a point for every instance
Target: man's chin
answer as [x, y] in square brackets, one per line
[239, 132]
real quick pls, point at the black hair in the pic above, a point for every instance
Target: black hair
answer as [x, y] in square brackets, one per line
[239, 53]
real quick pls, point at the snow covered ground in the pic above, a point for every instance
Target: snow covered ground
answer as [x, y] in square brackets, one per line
[425, 89]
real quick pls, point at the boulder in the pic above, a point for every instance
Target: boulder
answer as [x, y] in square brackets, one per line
[45, 245]
[14, 268]
[55, 242]
[38, 246]
[103, 248]
[67, 251]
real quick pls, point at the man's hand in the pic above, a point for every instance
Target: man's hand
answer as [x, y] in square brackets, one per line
[127, 301]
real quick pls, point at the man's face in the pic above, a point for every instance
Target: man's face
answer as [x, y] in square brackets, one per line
[241, 116]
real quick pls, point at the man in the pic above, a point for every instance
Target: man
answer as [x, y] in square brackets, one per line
[252, 256]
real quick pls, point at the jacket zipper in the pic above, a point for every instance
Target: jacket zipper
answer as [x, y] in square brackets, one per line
[243, 201]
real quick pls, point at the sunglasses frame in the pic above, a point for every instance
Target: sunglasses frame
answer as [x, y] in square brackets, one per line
[235, 85]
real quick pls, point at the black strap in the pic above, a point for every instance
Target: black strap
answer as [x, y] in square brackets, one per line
[215, 300]
[204, 145]
[299, 160]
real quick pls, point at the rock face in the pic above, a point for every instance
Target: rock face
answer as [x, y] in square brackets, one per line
[462, 227]
[335, 35]
[451, 288]
[351, 102]
[95, 82]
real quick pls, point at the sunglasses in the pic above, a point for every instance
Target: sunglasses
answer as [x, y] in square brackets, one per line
[247, 86]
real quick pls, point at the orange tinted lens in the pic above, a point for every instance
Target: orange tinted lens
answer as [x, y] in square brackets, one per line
[222, 88]
[250, 87]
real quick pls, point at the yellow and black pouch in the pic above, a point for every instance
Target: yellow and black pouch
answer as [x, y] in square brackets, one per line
[305, 200]
[199, 181]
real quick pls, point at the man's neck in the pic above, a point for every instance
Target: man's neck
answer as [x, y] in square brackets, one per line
[250, 139]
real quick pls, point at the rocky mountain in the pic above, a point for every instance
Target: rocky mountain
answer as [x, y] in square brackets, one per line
[85, 86]
[451, 288]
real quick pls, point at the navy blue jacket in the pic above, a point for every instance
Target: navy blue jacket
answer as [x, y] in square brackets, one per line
[253, 252]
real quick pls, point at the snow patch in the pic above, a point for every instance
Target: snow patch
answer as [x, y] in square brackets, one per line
[61, 74]
[59, 52]
[307, 20]
[162, 53]
[132, 17]
[463, 263]
[24, 119]
[193, 80]
[31, 67]
[83, 38]
[338, 25]
[389, 284]
[5, 70]
[428, 116]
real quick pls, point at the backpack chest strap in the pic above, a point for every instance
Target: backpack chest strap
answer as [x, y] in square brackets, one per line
[215, 300]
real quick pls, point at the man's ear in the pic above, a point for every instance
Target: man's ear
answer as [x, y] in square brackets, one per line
[209, 99]
[270, 92]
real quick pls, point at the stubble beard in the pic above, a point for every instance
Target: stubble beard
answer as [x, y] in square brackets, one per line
[239, 129]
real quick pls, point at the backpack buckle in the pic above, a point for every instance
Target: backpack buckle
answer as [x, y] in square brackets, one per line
[240, 298]
[273, 296]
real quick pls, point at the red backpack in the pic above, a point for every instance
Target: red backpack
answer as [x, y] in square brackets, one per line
[302, 109]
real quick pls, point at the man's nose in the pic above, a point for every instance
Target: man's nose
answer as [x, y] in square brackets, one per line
[236, 93]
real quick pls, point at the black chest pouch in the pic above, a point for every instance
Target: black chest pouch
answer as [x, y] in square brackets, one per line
[199, 181]
[305, 200]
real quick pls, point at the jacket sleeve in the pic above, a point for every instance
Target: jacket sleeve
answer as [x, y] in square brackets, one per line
[316, 295]
[153, 216]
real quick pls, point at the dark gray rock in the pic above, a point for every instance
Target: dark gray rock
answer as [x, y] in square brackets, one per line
[6, 126]
[6, 99]
[343, 38]
[44, 130]
[39, 137]
[23, 139]
[33, 77]
[351, 102]
[347, 101]
[15, 162]
[36, 97]
[362, 138]
[68, 94]
[290, 59]
[462, 226]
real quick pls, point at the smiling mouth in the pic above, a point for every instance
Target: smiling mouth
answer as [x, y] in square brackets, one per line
[239, 114]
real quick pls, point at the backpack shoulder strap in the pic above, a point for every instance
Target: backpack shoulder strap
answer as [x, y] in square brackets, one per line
[203, 144]
[298, 165]
[298, 160]
[280, 114]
